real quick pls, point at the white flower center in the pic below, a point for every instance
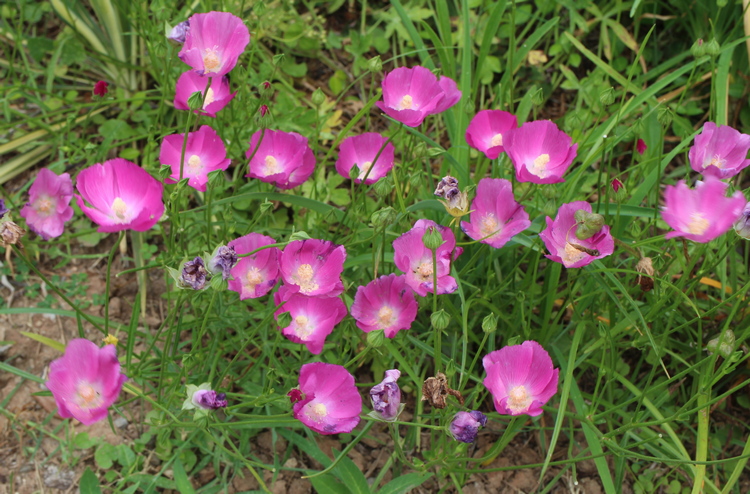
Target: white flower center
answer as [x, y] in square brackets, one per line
[304, 278]
[87, 396]
[253, 278]
[489, 227]
[120, 208]
[272, 165]
[424, 271]
[698, 224]
[406, 103]
[717, 161]
[385, 317]
[195, 166]
[301, 327]
[571, 255]
[363, 169]
[44, 206]
[211, 61]
[209, 98]
[539, 166]
[497, 140]
[316, 412]
[518, 399]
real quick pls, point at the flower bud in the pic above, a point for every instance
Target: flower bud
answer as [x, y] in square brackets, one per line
[640, 146]
[664, 116]
[616, 185]
[299, 235]
[432, 238]
[465, 425]
[723, 344]
[384, 186]
[265, 206]
[537, 96]
[607, 96]
[266, 90]
[489, 323]
[219, 284]
[375, 65]
[295, 395]
[284, 320]
[318, 97]
[376, 338]
[386, 397]
[440, 320]
[195, 101]
[589, 224]
[383, 217]
[354, 172]
[713, 48]
[278, 58]
[699, 48]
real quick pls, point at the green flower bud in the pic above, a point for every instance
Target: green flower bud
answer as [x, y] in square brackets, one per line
[195, 101]
[699, 48]
[537, 96]
[300, 235]
[713, 48]
[450, 369]
[589, 224]
[415, 180]
[723, 344]
[216, 177]
[219, 283]
[376, 338]
[375, 65]
[278, 58]
[440, 320]
[383, 217]
[284, 320]
[384, 186]
[164, 172]
[664, 116]
[607, 96]
[489, 323]
[265, 206]
[354, 172]
[420, 150]
[318, 97]
[432, 238]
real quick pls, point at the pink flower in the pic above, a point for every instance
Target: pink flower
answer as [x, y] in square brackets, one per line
[410, 94]
[616, 184]
[719, 151]
[565, 247]
[386, 303]
[486, 129]
[85, 381]
[217, 96]
[540, 152]
[520, 378]
[49, 204]
[122, 196]
[313, 267]
[281, 158]
[256, 275]
[495, 215]
[313, 318]
[361, 150]
[703, 213]
[331, 403]
[204, 153]
[214, 42]
[640, 146]
[101, 88]
[413, 258]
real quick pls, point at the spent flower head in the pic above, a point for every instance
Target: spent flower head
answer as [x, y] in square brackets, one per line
[386, 397]
[465, 425]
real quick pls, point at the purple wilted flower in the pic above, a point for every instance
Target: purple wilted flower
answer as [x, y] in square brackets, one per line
[465, 425]
[194, 274]
[209, 399]
[742, 225]
[3, 209]
[222, 261]
[386, 396]
[178, 33]
[455, 201]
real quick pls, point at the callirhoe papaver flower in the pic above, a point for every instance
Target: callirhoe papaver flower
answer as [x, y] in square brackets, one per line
[541, 153]
[465, 425]
[719, 151]
[486, 129]
[101, 88]
[204, 153]
[313, 318]
[386, 397]
[256, 275]
[386, 303]
[495, 215]
[703, 213]
[214, 42]
[217, 96]
[414, 258]
[85, 381]
[331, 403]
[361, 150]
[521, 378]
[566, 247]
[313, 267]
[122, 196]
[49, 204]
[280, 158]
[410, 94]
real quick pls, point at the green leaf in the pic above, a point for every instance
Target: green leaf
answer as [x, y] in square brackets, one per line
[328, 484]
[125, 455]
[83, 441]
[181, 479]
[405, 483]
[105, 456]
[115, 129]
[352, 477]
[55, 345]
[89, 484]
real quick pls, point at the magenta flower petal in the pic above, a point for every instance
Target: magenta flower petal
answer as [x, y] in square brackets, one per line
[565, 247]
[332, 403]
[521, 378]
[486, 129]
[214, 42]
[85, 381]
[410, 94]
[313, 318]
[204, 153]
[122, 196]
[540, 152]
[361, 150]
[217, 97]
[386, 303]
[703, 213]
[495, 215]
[280, 158]
[719, 151]
[256, 275]
[413, 258]
[313, 267]
[49, 204]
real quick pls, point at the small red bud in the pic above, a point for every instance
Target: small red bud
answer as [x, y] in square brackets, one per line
[616, 185]
[100, 88]
[295, 395]
[640, 146]
[263, 110]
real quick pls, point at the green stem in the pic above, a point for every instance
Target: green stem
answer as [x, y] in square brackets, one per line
[107, 283]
